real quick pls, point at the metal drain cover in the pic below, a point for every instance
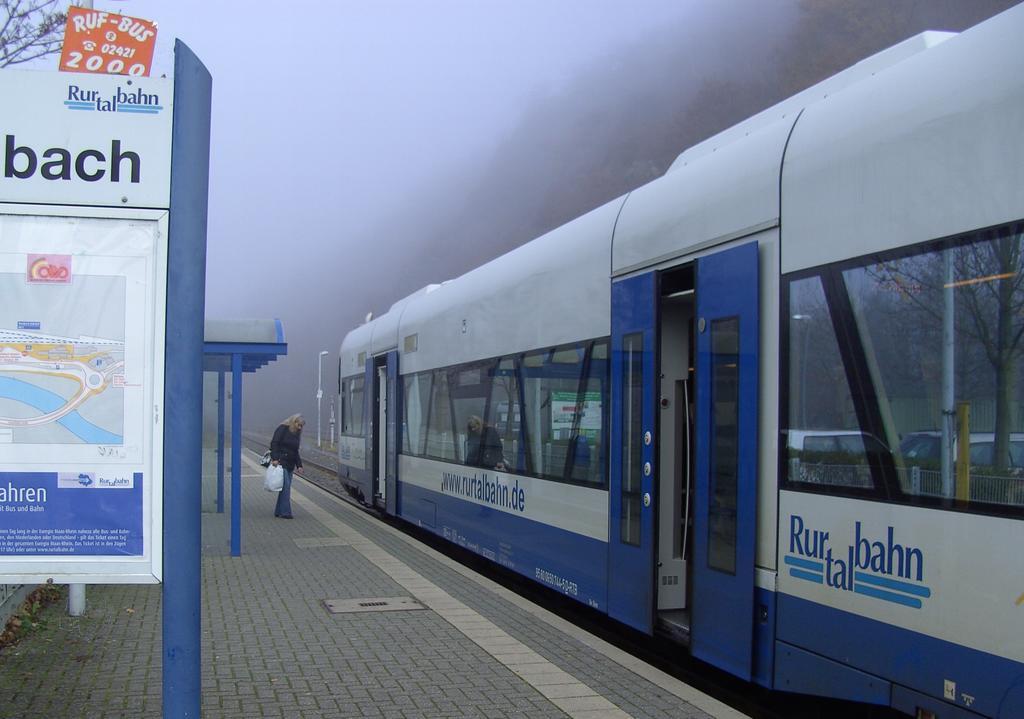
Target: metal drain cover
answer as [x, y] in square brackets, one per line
[377, 604]
[310, 542]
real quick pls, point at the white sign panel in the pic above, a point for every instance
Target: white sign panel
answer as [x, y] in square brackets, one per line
[81, 386]
[896, 564]
[583, 510]
[75, 139]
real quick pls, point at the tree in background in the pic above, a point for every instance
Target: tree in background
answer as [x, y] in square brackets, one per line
[993, 292]
[988, 282]
[30, 29]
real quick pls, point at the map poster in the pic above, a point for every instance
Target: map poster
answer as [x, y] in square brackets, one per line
[77, 361]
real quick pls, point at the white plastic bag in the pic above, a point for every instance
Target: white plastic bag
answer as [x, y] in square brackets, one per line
[274, 480]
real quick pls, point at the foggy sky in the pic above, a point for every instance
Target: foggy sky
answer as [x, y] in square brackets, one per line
[331, 119]
[361, 150]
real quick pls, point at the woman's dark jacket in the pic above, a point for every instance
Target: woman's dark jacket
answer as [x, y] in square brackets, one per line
[484, 449]
[284, 447]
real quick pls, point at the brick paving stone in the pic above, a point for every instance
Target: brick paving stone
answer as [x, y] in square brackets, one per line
[271, 649]
[577, 659]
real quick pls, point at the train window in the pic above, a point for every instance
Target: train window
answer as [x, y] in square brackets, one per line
[416, 405]
[586, 461]
[551, 383]
[390, 435]
[824, 441]
[470, 388]
[572, 355]
[543, 414]
[632, 436]
[352, 406]
[725, 382]
[440, 441]
[504, 416]
[343, 401]
[926, 348]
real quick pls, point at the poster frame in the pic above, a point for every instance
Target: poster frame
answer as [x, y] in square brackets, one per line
[113, 569]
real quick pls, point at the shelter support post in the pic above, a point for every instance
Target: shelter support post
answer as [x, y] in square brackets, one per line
[220, 443]
[236, 455]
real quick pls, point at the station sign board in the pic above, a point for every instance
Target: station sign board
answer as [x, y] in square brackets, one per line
[84, 197]
[92, 140]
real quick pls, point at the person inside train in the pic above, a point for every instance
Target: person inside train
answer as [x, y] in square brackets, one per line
[483, 445]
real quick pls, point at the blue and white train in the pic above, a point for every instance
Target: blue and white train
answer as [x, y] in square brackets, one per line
[708, 392]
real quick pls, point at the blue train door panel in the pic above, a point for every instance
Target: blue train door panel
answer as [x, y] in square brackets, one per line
[385, 434]
[631, 501]
[369, 485]
[393, 442]
[726, 447]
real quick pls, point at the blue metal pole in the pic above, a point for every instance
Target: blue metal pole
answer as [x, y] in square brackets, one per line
[183, 387]
[220, 443]
[236, 455]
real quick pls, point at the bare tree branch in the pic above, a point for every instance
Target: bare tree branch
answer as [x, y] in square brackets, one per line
[30, 29]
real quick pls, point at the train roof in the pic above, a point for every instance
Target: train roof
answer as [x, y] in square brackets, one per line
[727, 186]
[376, 335]
[929, 148]
[792, 105]
[556, 287]
[558, 282]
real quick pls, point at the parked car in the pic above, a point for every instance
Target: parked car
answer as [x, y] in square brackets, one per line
[834, 441]
[832, 456]
[924, 447]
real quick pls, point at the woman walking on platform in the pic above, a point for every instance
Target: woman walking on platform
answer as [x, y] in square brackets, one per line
[284, 450]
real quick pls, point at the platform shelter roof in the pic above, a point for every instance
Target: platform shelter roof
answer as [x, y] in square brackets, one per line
[259, 341]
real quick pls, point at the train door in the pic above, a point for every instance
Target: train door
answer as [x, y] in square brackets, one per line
[385, 439]
[675, 426]
[725, 496]
[631, 490]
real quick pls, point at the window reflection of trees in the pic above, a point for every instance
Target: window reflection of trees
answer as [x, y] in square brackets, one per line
[816, 363]
[987, 283]
[899, 309]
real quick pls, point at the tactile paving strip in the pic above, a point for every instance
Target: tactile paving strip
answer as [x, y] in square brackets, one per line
[310, 542]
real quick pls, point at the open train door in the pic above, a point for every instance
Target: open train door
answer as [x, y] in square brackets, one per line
[726, 478]
[631, 494]
[385, 434]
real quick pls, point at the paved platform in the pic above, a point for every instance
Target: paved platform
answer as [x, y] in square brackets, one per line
[468, 648]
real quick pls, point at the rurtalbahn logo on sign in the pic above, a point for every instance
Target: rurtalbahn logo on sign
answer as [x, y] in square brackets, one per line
[49, 269]
[874, 566]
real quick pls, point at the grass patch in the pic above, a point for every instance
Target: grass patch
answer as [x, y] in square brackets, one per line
[28, 617]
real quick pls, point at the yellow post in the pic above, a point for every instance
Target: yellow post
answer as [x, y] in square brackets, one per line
[963, 453]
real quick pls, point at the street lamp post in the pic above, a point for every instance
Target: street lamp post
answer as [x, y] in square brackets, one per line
[319, 392]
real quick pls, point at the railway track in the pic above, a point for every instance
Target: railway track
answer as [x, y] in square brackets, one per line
[318, 468]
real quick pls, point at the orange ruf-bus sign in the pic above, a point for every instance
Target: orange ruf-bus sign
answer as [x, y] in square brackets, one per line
[107, 43]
